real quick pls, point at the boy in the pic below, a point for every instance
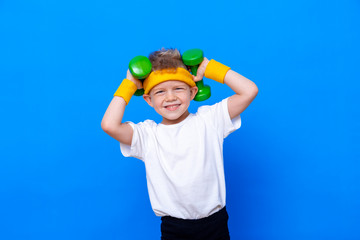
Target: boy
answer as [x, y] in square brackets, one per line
[183, 154]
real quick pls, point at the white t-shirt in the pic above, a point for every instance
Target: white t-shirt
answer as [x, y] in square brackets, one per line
[184, 161]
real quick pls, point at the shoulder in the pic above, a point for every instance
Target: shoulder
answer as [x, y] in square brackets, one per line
[145, 124]
[144, 127]
[218, 108]
[148, 123]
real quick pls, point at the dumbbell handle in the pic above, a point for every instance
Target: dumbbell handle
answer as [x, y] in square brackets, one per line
[192, 58]
[199, 84]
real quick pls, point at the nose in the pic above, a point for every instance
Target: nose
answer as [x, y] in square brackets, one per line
[170, 96]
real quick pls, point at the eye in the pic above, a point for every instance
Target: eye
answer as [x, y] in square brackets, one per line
[180, 88]
[159, 92]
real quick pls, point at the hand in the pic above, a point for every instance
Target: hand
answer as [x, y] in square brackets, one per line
[201, 70]
[137, 82]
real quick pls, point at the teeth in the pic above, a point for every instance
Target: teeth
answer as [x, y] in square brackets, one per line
[172, 107]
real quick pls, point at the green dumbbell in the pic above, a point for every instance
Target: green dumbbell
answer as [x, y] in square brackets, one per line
[140, 67]
[193, 58]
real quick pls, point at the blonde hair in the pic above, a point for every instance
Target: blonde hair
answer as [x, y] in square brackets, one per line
[166, 58]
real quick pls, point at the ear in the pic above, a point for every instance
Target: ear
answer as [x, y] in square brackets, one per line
[193, 92]
[147, 98]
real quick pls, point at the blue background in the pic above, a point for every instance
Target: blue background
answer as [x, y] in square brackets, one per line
[292, 170]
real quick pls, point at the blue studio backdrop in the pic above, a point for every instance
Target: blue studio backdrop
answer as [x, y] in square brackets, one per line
[292, 169]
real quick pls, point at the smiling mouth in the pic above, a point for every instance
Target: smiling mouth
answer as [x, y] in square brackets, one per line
[172, 107]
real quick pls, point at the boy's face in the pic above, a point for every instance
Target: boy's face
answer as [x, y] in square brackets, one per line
[171, 100]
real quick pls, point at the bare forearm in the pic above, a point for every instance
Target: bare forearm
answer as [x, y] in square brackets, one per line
[240, 84]
[114, 113]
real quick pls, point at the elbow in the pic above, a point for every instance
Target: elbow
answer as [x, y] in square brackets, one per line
[253, 92]
[109, 127]
[106, 127]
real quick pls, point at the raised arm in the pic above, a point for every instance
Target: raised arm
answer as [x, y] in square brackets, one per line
[112, 120]
[245, 90]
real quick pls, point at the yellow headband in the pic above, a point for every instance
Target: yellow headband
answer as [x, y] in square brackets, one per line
[159, 76]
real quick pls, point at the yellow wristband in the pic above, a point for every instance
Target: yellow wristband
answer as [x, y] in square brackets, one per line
[216, 71]
[126, 89]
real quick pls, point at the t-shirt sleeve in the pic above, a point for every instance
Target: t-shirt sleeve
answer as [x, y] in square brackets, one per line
[218, 115]
[138, 145]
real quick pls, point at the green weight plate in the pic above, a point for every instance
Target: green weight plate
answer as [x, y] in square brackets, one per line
[139, 92]
[140, 67]
[203, 93]
[193, 57]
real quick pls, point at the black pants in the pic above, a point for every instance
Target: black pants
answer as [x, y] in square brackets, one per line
[214, 227]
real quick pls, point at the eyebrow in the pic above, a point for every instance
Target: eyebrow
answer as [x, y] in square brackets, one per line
[180, 84]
